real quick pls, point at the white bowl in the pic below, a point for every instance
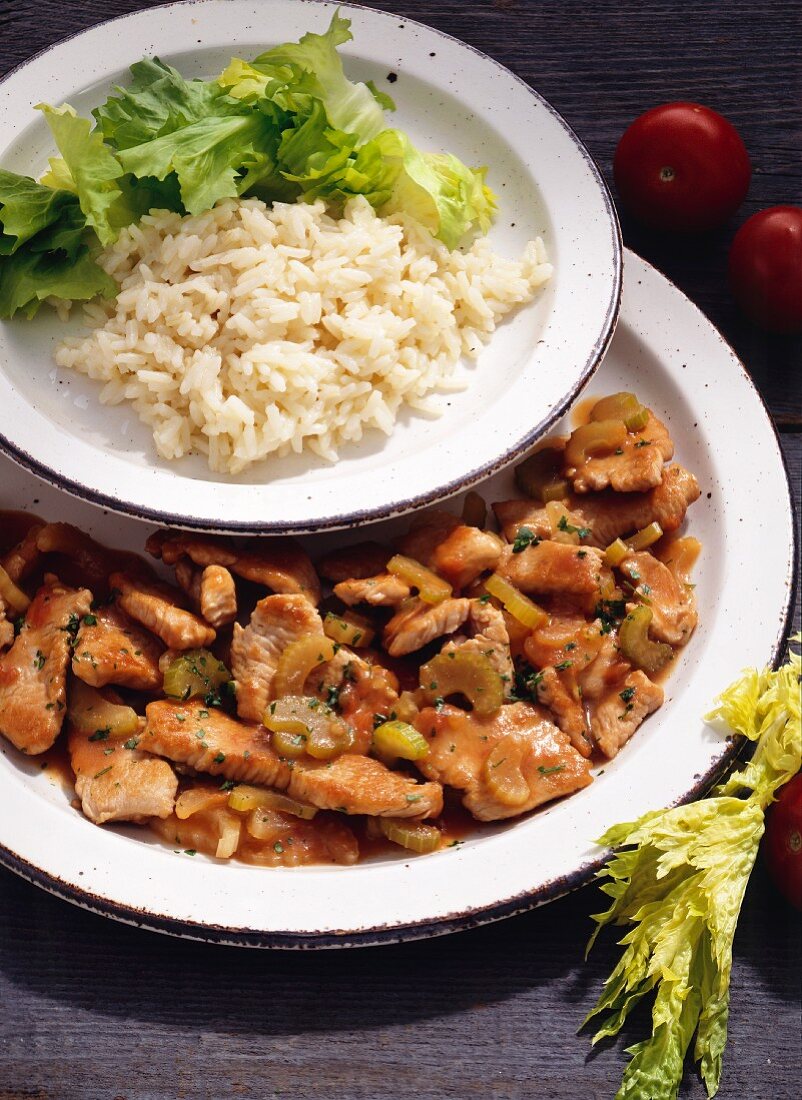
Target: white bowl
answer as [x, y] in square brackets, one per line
[449, 96]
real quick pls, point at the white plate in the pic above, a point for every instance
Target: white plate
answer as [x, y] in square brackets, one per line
[449, 96]
[668, 352]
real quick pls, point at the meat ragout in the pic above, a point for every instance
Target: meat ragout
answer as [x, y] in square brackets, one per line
[243, 700]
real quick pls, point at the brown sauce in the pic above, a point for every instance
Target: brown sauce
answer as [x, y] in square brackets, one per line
[580, 413]
[55, 764]
[455, 823]
[14, 526]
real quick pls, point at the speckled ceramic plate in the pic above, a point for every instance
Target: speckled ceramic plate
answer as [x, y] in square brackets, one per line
[449, 96]
[669, 353]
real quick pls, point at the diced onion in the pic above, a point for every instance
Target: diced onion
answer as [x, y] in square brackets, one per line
[245, 798]
[229, 836]
[680, 557]
[197, 799]
[90, 713]
[407, 706]
[264, 825]
[599, 437]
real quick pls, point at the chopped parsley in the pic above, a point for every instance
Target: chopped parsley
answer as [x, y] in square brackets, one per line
[131, 743]
[564, 525]
[102, 771]
[100, 735]
[627, 694]
[227, 785]
[219, 758]
[611, 612]
[278, 848]
[72, 627]
[563, 665]
[551, 771]
[525, 537]
[526, 682]
[90, 620]
[644, 443]
[39, 660]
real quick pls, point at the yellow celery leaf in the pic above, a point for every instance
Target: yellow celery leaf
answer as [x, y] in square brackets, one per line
[677, 879]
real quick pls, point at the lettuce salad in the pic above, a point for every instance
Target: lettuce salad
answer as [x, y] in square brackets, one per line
[288, 125]
[678, 879]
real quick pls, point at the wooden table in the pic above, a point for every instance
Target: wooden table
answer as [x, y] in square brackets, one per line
[92, 1009]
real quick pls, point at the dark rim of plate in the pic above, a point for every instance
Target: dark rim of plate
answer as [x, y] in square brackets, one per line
[357, 517]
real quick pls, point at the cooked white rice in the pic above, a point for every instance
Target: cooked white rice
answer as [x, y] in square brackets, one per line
[250, 330]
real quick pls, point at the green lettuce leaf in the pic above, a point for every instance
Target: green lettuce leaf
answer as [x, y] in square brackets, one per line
[159, 101]
[678, 879]
[27, 208]
[437, 189]
[93, 167]
[312, 68]
[27, 278]
[44, 247]
[58, 177]
[206, 156]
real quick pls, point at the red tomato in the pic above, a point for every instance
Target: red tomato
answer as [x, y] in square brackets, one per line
[766, 268]
[783, 843]
[682, 167]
